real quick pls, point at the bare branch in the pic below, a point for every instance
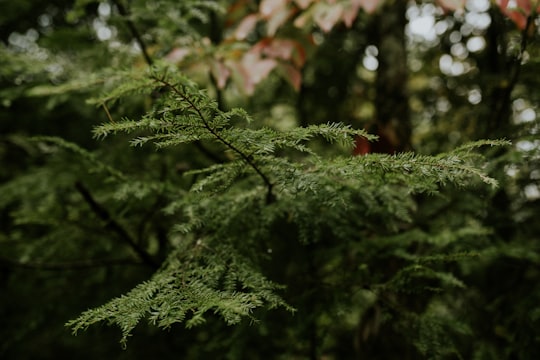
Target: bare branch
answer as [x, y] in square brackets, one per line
[133, 29]
[114, 226]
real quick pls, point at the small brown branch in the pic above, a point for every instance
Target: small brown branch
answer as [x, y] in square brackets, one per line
[114, 226]
[133, 29]
[148, 59]
[502, 104]
[108, 113]
[67, 265]
[249, 160]
[136, 35]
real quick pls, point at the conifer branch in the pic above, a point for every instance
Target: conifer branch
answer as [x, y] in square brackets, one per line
[148, 59]
[248, 159]
[114, 226]
[67, 265]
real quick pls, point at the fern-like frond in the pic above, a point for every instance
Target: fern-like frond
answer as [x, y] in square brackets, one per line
[193, 282]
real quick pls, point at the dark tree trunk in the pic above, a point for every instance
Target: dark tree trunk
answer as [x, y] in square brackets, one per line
[391, 103]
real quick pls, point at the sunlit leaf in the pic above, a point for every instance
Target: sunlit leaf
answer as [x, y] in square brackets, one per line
[327, 16]
[246, 26]
[254, 69]
[277, 19]
[269, 7]
[177, 54]
[302, 20]
[303, 4]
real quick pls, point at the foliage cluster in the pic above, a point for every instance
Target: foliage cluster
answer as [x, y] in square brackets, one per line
[238, 219]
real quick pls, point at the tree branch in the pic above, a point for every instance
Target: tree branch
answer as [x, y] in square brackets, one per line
[114, 226]
[148, 59]
[249, 160]
[136, 35]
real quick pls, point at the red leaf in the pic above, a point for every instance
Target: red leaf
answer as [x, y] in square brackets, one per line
[520, 13]
[351, 12]
[283, 49]
[254, 69]
[370, 6]
[361, 146]
[293, 76]
[220, 72]
[386, 144]
[327, 16]
[452, 5]
[246, 26]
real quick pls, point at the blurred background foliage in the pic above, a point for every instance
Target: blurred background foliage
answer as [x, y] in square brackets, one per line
[423, 77]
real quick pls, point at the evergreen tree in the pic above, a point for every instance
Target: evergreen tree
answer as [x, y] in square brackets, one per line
[219, 211]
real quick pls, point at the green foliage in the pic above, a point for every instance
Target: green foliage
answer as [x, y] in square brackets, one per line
[206, 271]
[195, 280]
[205, 223]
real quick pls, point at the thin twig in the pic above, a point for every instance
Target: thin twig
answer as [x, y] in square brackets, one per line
[501, 106]
[138, 38]
[249, 160]
[108, 113]
[114, 226]
[136, 35]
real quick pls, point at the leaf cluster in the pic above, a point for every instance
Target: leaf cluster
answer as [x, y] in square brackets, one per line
[226, 221]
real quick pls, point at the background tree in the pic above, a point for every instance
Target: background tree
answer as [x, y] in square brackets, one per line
[249, 230]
